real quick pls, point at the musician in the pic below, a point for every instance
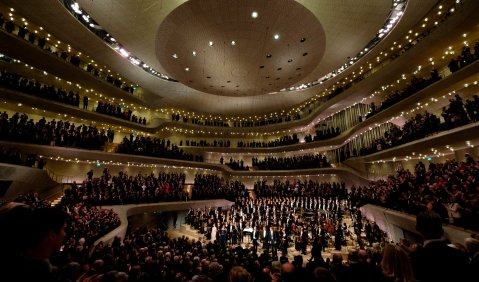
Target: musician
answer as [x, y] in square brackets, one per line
[240, 226]
[214, 230]
[272, 238]
[223, 235]
[304, 239]
[230, 232]
[338, 237]
[284, 244]
[265, 238]
[323, 240]
[234, 235]
[298, 244]
[255, 236]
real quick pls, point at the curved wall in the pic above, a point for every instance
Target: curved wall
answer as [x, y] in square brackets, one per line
[26, 179]
[399, 225]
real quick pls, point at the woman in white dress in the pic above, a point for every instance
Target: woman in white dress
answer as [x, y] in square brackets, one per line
[213, 233]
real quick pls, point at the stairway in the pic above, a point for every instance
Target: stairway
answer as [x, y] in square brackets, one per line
[54, 196]
[56, 201]
[111, 147]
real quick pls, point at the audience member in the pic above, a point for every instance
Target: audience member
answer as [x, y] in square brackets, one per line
[436, 260]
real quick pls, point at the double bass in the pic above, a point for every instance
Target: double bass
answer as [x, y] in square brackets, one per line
[329, 226]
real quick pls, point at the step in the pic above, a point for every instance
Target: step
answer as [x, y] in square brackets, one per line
[56, 201]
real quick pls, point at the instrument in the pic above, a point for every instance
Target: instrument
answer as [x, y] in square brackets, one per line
[248, 229]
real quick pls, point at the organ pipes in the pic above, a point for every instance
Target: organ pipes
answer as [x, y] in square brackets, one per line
[346, 118]
[365, 140]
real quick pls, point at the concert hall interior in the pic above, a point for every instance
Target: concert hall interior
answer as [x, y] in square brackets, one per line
[227, 140]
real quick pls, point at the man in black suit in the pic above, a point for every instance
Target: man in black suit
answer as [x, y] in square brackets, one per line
[304, 239]
[436, 260]
[255, 235]
[265, 239]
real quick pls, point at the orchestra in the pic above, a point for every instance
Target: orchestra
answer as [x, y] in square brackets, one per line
[274, 222]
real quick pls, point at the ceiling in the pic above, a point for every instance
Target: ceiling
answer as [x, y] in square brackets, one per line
[231, 49]
[314, 38]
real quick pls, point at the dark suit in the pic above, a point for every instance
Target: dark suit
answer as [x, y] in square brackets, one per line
[436, 261]
[305, 241]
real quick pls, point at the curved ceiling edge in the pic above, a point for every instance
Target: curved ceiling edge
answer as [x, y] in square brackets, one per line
[82, 17]
[395, 14]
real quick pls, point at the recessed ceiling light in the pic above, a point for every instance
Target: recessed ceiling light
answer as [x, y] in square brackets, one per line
[210, 43]
[175, 56]
[276, 36]
[187, 69]
[233, 42]
[302, 40]
[194, 53]
[254, 14]
[290, 60]
[269, 56]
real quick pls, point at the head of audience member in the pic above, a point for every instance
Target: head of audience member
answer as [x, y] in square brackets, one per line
[287, 272]
[239, 274]
[321, 274]
[201, 278]
[337, 259]
[114, 276]
[275, 271]
[215, 270]
[49, 225]
[265, 274]
[15, 223]
[298, 261]
[429, 224]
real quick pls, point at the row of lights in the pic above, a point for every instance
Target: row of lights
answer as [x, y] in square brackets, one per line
[397, 10]
[434, 153]
[287, 176]
[128, 164]
[89, 91]
[87, 21]
[118, 129]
